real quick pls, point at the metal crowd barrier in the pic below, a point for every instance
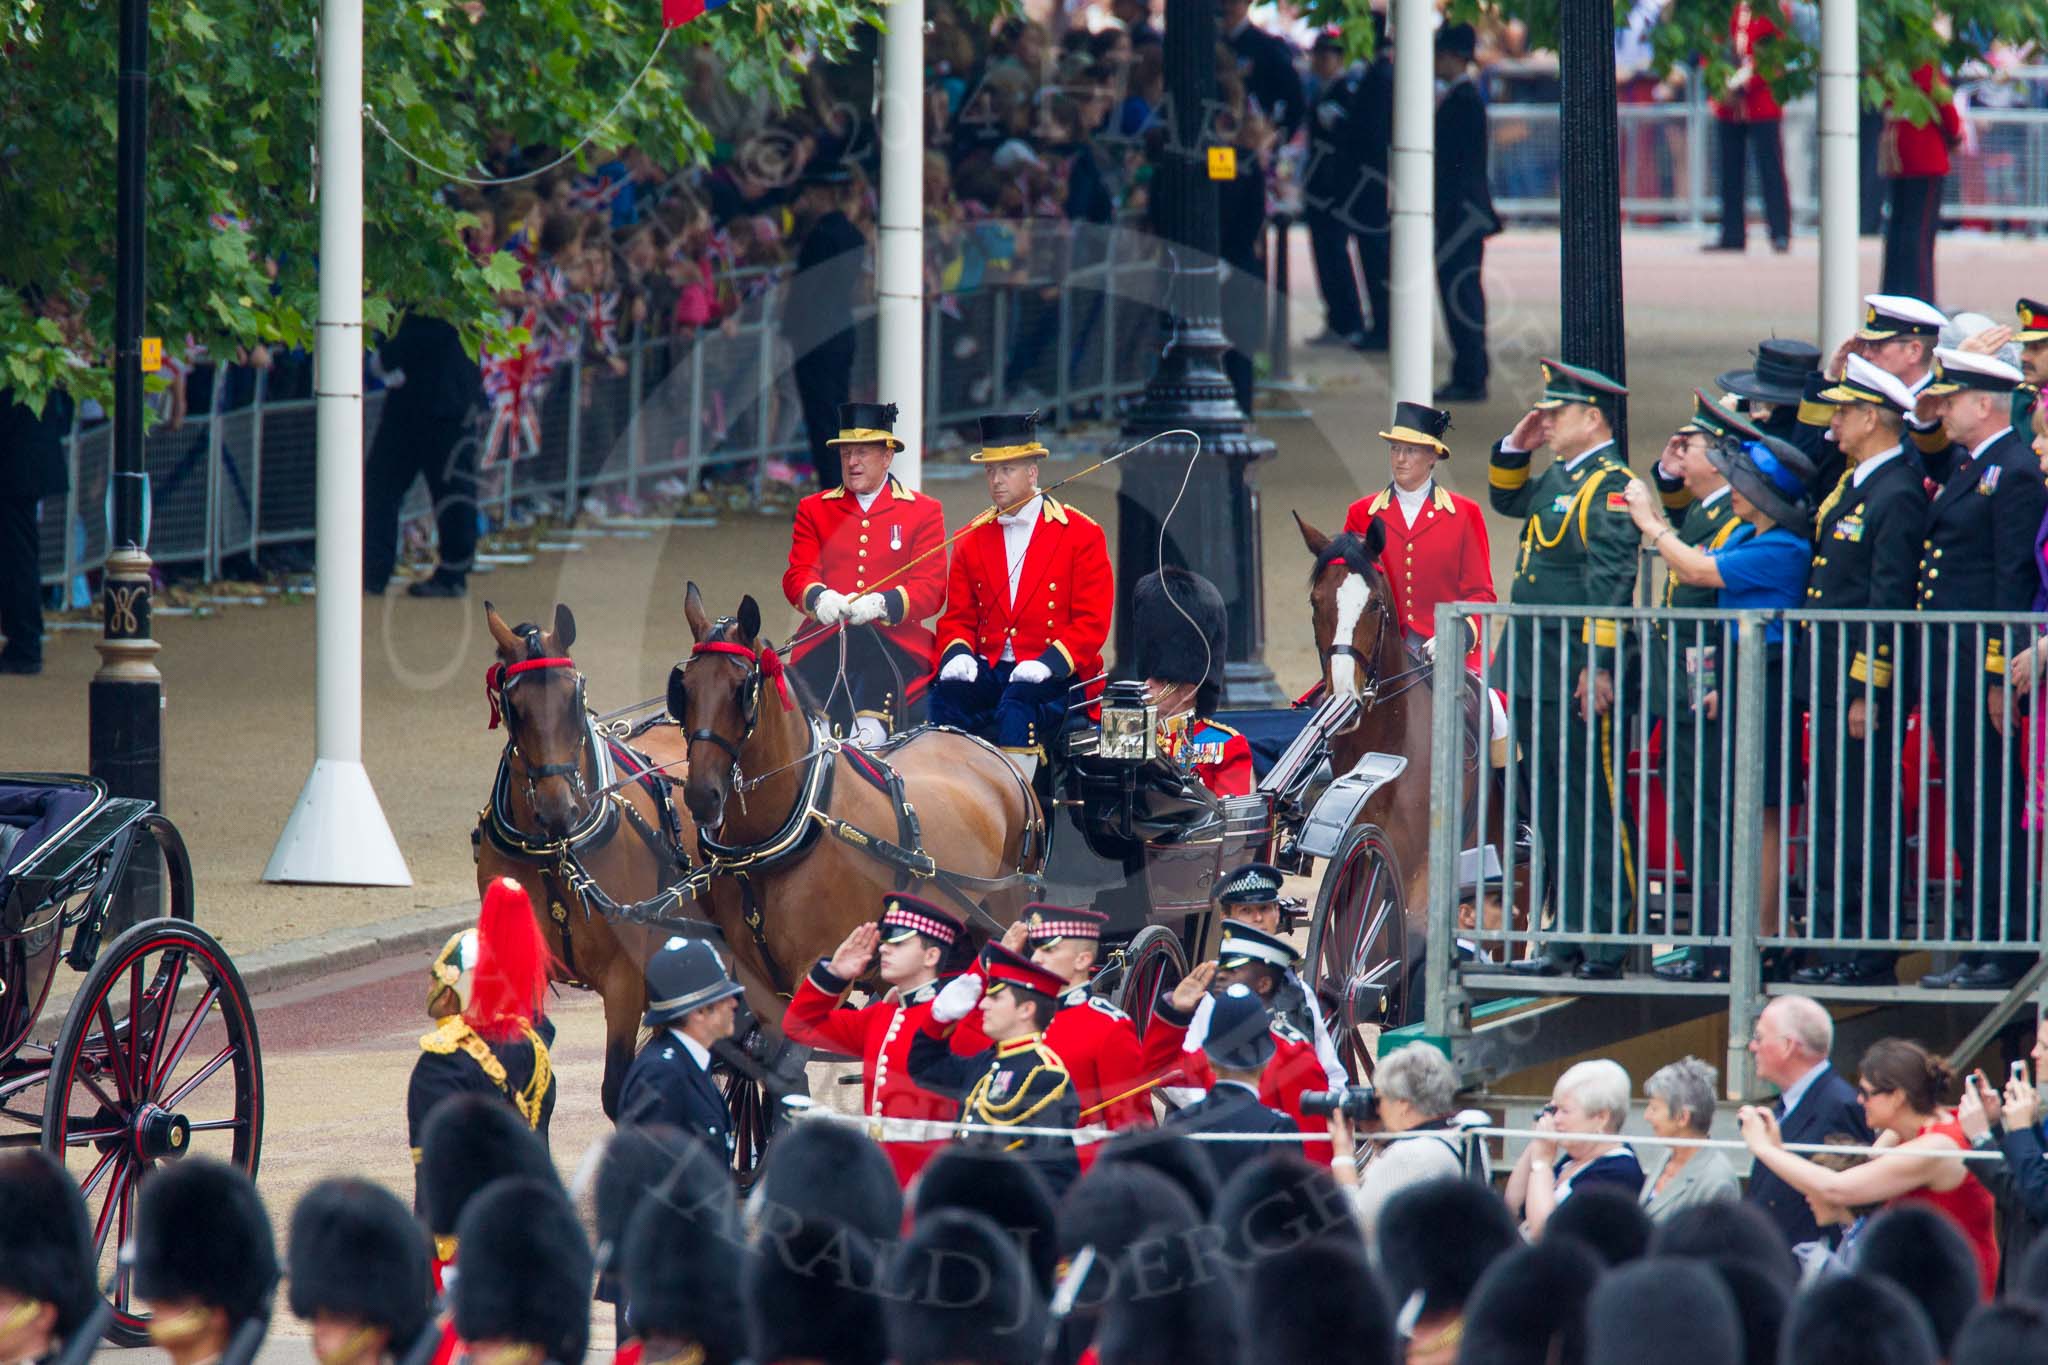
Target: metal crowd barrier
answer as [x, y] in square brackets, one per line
[1763, 826]
[1077, 331]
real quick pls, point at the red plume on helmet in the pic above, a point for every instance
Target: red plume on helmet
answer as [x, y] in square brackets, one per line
[512, 963]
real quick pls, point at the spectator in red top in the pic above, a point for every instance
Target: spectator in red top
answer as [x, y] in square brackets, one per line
[1914, 157]
[1749, 117]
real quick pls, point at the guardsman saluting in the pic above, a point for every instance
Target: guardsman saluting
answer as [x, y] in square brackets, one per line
[910, 950]
[1435, 549]
[1016, 1082]
[1578, 549]
[1027, 605]
[1978, 555]
[866, 556]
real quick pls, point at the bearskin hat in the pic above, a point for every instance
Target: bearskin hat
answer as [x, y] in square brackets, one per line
[524, 1269]
[1436, 1239]
[959, 1290]
[1529, 1308]
[1607, 1220]
[45, 1238]
[1857, 1319]
[1630, 1317]
[1761, 1304]
[2000, 1333]
[831, 1171]
[1177, 623]
[636, 1158]
[1924, 1254]
[812, 1291]
[1276, 1201]
[1726, 1229]
[679, 1261]
[1318, 1301]
[1001, 1186]
[1171, 1302]
[467, 1142]
[356, 1250]
[202, 1234]
[1174, 1155]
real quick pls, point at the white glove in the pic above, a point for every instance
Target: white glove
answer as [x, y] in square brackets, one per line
[1030, 671]
[865, 608]
[960, 668]
[957, 999]
[831, 607]
[1429, 650]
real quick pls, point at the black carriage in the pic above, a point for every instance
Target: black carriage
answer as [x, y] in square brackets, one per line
[1140, 839]
[154, 1055]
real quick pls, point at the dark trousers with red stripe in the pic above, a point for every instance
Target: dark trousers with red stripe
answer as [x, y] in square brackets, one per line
[1762, 143]
[1909, 236]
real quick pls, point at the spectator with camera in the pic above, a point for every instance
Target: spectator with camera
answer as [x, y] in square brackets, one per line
[2012, 1123]
[1587, 1107]
[1417, 1092]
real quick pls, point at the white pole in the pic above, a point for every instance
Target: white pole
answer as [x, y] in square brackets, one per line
[1412, 198]
[899, 244]
[337, 832]
[1840, 297]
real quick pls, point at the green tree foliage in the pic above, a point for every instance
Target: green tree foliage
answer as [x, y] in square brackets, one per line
[233, 123]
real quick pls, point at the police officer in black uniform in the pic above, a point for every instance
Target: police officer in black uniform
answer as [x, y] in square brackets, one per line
[47, 1267]
[1867, 537]
[1978, 556]
[1329, 184]
[1017, 1082]
[1465, 216]
[692, 1004]
[1239, 1044]
[358, 1263]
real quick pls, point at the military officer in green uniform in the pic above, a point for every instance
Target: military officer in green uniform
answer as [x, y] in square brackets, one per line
[1689, 659]
[1578, 549]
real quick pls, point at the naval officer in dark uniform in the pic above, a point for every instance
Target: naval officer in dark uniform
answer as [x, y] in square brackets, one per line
[1867, 537]
[692, 1004]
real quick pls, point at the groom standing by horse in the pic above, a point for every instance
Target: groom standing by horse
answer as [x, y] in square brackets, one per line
[867, 557]
[1027, 605]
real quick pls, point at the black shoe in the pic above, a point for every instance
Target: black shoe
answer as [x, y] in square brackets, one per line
[1950, 978]
[1815, 974]
[1592, 970]
[1863, 974]
[1372, 342]
[437, 586]
[1692, 971]
[1461, 393]
[1543, 964]
[1326, 337]
[1781, 245]
[1988, 976]
[1776, 965]
[1737, 248]
[10, 663]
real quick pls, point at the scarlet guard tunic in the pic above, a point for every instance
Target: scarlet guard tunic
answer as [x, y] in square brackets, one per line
[1294, 1070]
[1059, 613]
[1443, 557]
[1220, 757]
[1099, 1044]
[899, 1110]
[837, 545]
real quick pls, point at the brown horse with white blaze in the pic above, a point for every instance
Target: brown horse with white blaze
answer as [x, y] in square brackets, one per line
[800, 822]
[549, 805]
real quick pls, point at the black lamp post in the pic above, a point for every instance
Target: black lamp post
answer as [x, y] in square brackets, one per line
[127, 692]
[1215, 531]
[1589, 131]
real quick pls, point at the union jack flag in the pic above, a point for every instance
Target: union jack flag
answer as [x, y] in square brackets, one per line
[676, 13]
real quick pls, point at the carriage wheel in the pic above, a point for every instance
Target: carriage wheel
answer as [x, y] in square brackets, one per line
[753, 1118]
[1152, 962]
[157, 1060]
[1358, 945]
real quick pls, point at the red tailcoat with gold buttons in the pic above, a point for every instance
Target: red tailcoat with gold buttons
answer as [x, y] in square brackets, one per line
[1065, 591]
[1443, 557]
[836, 545]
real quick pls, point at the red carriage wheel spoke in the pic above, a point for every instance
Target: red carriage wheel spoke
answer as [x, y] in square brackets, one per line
[122, 1272]
[110, 1034]
[174, 970]
[117, 1107]
[198, 1078]
[116, 1194]
[110, 1160]
[185, 1036]
[83, 1137]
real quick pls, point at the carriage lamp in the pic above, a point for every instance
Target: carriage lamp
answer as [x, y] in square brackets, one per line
[1130, 723]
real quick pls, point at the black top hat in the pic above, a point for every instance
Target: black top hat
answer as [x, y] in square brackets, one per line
[1419, 424]
[526, 1270]
[862, 423]
[202, 1234]
[1760, 472]
[355, 1250]
[1779, 374]
[687, 974]
[1009, 436]
[46, 1249]
[1177, 628]
[1240, 1034]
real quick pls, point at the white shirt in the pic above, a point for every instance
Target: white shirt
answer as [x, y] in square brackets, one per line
[1864, 468]
[1411, 503]
[1792, 1094]
[1719, 493]
[1017, 527]
[1575, 461]
[698, 1052]
[1985, 444]
[867, 500]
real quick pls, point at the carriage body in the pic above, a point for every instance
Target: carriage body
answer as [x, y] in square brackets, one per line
[154, 1056]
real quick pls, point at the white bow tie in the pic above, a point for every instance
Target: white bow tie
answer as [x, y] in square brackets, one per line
[1013, 519]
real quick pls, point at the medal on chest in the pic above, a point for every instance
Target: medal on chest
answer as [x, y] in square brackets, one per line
[1850, 528]
[1989, 483]
[999, 1085]
[895, 537]
[1561, 503]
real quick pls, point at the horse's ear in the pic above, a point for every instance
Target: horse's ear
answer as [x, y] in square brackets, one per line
[1316, 541]
[750, 618]
[693, 612]
[1375, 537]
[508, 643]
[565, 628]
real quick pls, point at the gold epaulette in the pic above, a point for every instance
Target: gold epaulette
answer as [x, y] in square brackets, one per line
[454, 1034]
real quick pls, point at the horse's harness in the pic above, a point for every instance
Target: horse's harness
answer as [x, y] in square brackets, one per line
[810, 815]
[1372, 688]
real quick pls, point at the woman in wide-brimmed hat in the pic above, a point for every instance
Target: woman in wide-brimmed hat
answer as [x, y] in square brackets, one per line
[1765, 570]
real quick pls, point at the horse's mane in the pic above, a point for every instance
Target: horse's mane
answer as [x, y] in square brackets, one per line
[1349, 548]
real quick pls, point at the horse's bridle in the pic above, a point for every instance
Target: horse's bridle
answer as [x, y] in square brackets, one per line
[498, 680]
[1367, 664]
[760, 664]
